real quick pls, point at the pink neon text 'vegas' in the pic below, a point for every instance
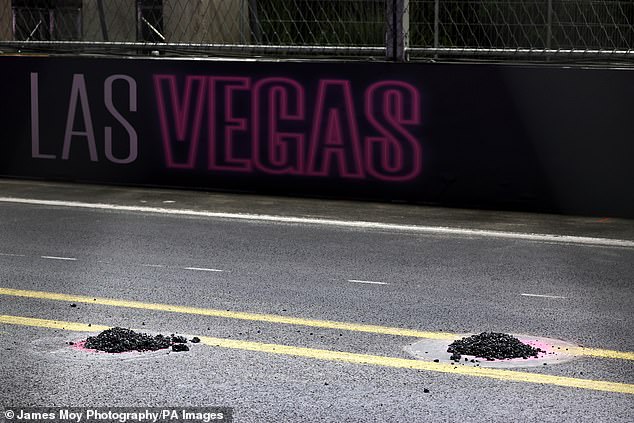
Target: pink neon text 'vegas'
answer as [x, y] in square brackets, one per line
[271, 126]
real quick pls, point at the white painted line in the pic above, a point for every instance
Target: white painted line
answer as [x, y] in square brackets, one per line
[369, 282]
[153, 265]
[12, 255]
[441, 230]
[203, 269]
[169, 201]
[542, 296]
[59, 258]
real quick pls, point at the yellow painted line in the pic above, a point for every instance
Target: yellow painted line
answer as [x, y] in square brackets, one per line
[51, 324]
[270, 318]
[362, 359]
[597, 352]
[273, 318]
[404, 363]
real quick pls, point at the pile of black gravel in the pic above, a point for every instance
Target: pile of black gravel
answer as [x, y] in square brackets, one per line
[118, 340]
[492, 346]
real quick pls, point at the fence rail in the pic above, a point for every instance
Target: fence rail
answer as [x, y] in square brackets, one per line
[601, 30]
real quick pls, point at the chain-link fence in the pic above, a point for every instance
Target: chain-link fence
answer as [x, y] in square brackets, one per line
[392, 29]
[522, 28]
[247, 27]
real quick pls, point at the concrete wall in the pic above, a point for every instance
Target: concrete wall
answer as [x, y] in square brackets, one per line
[537, 138]
[5, 20]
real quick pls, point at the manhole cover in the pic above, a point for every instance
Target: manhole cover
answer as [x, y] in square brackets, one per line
[553, 351]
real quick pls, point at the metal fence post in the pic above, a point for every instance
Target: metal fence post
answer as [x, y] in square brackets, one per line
[390, 36]
[549, 31]
[102, 20]
[436, 23]
[254, 20]
[396, 40]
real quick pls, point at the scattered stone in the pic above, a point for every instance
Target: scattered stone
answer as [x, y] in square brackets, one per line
[117, 340]
[492, 346]
[178, 339]
[436, 361]
[73, 305]
[71, 343]
[426, 390]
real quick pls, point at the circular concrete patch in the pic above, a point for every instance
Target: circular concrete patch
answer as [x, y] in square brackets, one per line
[555, 352]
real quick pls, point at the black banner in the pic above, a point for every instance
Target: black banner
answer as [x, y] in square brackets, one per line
[476, 135]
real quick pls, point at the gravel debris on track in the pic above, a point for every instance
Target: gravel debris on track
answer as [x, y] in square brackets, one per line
[492, 346]
[118, 340]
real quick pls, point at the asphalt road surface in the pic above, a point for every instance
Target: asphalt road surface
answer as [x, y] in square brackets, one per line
[308, 318]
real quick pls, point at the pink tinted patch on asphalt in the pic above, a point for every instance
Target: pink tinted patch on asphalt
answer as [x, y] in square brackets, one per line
[539, 344]
[549, 348]
[81, 346]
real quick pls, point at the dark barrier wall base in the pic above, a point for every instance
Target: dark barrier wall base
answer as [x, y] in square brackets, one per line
[472, 135]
